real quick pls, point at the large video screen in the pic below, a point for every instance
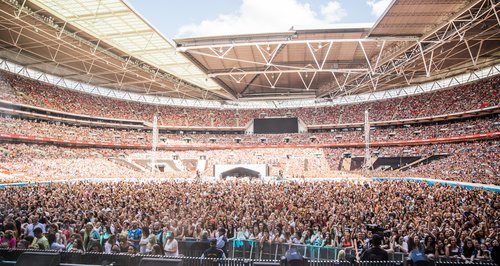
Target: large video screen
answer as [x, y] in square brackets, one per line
[275, 125]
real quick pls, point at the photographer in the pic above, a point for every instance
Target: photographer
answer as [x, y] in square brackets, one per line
[375, 253]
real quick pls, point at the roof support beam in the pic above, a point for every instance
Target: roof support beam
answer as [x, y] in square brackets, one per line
[288, 71]
[307, 85]
[126, 34]
[94, 16]
[341, 87]
[18, 14]
[121, 84]
[186, 47]
[315, 50]
[269, 54]
[472, 57]
[366, 56]
[493, 7]
[274, 80]
[453, 29]
[427, 67]
[151, 51]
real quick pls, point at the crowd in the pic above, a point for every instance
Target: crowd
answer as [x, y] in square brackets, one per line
[469, 162]
[27, 162]
[477, 95]
[35, 128]
[441, 221]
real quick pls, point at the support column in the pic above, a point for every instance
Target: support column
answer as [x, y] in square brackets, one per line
[154, 144]
[367, 163]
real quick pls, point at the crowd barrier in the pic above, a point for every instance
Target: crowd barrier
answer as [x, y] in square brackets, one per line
[255, 250]
[37, 257]
[462, 263]
[29, 257]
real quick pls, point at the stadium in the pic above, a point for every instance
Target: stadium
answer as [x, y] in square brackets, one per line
[346, 144]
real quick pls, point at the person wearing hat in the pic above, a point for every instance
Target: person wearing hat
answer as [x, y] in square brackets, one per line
[213, 252]
[375, 253]
[171, 247]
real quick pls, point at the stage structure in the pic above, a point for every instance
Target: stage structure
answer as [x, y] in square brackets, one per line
[240, 170]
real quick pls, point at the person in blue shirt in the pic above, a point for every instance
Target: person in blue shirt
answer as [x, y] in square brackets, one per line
[134, 235]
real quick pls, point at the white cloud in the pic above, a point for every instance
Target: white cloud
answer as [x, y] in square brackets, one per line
[256, 16]
[333, 12]
[378, 7]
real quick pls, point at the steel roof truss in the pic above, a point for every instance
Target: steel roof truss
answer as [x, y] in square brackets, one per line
[301, 70]
[308, 84]
[476, 57]
[186, 47]
[379, 54]
[237, 77]
[221, 52]
[341, 87]
[98, 15]
[366, 56]
[273, 78]
[427, 66]
[453, 28]
[267, 54]
[320, 47]
[18, 14]
[493, 7]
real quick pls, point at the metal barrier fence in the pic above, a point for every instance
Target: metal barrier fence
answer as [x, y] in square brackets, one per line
[461, 263]
[123, 259]
[96, 258]
[254, 250]
[251, 250]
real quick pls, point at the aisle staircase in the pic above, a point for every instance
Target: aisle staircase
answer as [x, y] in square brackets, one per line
[423, 160]
[129, 164]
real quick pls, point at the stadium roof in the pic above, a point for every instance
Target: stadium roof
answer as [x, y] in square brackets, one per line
[413, 42]
[106, 43]
[115, 23]
[109, 24]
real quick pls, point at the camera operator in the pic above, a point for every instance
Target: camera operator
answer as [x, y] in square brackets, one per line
[375, 253]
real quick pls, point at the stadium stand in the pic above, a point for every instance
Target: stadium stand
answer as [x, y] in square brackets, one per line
[88, 179]
[473, 96]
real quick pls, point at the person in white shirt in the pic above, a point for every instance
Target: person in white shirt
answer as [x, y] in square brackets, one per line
[171, 246]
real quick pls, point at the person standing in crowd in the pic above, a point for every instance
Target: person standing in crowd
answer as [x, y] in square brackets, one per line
[159, 233]
[375, 253]
[213, 252]
[7, 239]
[222, 240]
[134, 235]
[52, 238]
[40, 241]
[90, 235]
[171, 246]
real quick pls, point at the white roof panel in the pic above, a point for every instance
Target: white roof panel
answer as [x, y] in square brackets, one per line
[116, 23]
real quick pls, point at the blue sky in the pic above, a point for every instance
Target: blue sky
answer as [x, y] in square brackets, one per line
[192, 18]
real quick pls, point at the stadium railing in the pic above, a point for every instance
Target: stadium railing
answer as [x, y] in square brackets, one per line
[25, 257]
[255, 250]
